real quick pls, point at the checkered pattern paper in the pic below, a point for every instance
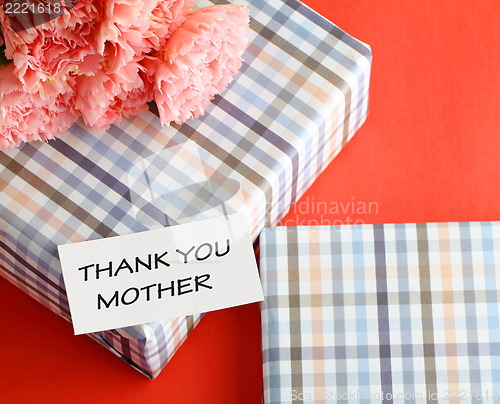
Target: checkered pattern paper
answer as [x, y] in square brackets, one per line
[405, 313]
[299, 97]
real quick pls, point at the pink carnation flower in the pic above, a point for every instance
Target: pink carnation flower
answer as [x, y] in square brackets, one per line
[132, 28]
[104, 98]
[93, 62]
[42, 114]
[199, 60]
[165, 18]
[55, 48]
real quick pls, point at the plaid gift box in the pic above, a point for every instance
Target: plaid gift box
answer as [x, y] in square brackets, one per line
[381, 313]
[299, 97]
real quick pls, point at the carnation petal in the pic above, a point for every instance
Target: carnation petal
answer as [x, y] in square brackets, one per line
[105, 98]
[198, 61]
[42, 114]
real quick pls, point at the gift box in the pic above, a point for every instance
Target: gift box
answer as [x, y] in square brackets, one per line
[299, 97]
[375, 313]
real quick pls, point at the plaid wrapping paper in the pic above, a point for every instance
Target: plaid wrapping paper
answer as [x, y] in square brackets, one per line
[299, 97]
[381, 313]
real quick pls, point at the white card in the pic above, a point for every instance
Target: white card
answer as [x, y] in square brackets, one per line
[160, 274]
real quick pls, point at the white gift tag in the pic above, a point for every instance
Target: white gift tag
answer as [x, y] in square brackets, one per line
[160, 274]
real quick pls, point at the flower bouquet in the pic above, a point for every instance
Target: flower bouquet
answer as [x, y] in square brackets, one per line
[106, 59]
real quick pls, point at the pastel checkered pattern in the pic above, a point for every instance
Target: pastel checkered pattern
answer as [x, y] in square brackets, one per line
[299, 97]
[405, 313]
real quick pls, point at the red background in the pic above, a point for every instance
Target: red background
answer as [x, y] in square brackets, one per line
[428, 152]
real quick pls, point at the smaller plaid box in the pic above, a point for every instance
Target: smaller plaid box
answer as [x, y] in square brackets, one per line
[405, 313]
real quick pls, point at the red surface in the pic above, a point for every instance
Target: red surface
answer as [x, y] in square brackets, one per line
[428, 152]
